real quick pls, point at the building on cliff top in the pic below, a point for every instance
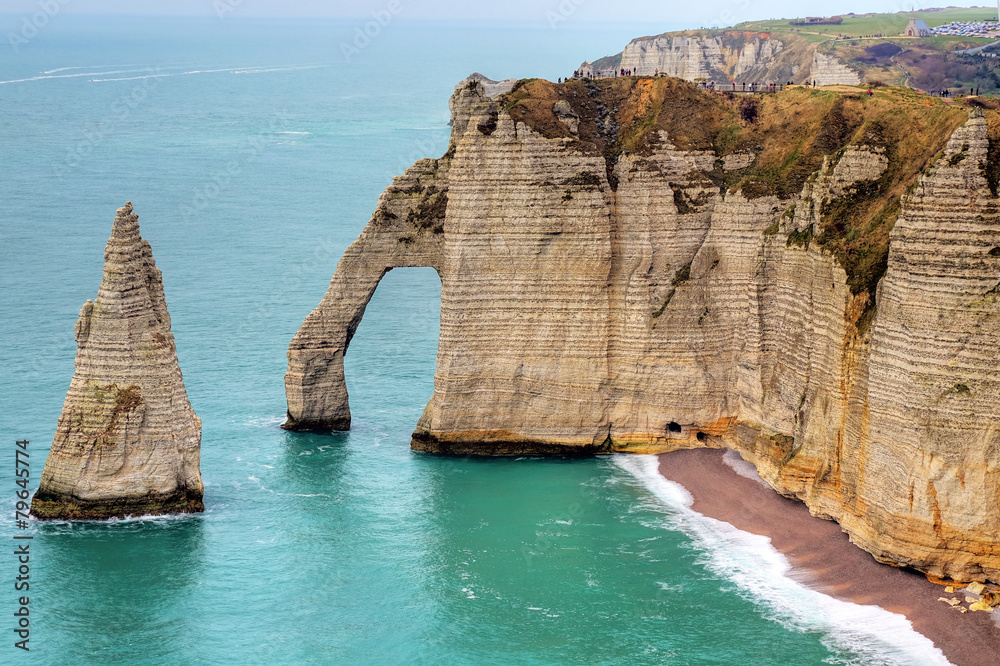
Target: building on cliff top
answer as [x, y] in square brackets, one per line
[916, 28]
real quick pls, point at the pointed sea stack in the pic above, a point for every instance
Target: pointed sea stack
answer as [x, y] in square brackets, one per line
[127, 442]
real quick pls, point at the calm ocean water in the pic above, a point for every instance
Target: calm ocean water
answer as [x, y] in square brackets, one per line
[254, 154]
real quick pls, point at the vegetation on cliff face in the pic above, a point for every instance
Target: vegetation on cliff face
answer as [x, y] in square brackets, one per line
[620, 114]
[787, 136]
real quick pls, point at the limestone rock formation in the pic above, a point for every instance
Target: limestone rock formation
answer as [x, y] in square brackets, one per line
[817, 290]
[127, 442]
[728, 55]
[686, 57]
[828, 70]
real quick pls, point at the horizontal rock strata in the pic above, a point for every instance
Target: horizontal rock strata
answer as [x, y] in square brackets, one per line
[828, 70]
[127, 441]
[724, 56]
[633, 265]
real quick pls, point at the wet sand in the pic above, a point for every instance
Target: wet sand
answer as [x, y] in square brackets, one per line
[824, 559]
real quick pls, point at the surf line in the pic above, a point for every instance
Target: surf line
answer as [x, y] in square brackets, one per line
[752, 563]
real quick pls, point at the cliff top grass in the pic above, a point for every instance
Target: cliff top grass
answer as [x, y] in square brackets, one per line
[788, 134]
[930, 61]
[618, 114]
[890, 25]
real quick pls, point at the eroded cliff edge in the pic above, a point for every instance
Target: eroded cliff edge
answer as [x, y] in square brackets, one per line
[127, 441]
[636, 265]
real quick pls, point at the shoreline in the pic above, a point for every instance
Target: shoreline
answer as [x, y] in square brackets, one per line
[823, 558]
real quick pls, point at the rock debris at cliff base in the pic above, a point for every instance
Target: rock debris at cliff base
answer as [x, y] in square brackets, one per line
[634, 264]
[127, 441]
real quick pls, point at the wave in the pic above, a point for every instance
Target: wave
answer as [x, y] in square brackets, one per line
[261, 70]
[73, 76]
[105, 73]
[231, 70]
[269, 421]
[66, 69]
[158, 519]
[758, 570]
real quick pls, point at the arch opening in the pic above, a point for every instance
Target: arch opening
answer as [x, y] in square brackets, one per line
[390, 360]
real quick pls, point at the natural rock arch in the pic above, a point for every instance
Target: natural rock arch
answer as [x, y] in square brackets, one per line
[405, 231]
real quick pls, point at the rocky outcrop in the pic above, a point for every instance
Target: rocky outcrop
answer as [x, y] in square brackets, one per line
[406, 230]
[127, 441]
[828, 71]
[683, 56]
[694, 280]
[491, 88]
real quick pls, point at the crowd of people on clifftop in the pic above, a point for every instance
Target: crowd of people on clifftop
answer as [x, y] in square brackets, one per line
[587, 74]
[746, 86]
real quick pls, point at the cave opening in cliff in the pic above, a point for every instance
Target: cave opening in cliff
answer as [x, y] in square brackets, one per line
[394, 350]
[702, 437]
[673, 427]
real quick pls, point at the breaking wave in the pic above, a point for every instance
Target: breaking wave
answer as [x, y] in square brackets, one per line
[761, 574]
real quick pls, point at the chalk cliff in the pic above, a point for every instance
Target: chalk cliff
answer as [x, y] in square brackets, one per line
[127, 442]
[727, 55]
[827, 71]
[636, 265]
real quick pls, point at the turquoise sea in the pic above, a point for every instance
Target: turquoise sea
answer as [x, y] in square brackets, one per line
[254, 153]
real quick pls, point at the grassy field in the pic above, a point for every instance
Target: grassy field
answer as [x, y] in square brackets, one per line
[888, 25]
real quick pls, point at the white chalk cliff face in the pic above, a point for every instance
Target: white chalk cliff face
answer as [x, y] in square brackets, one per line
[127, 442]
[827, 71]
[724, 56]
[596, 302]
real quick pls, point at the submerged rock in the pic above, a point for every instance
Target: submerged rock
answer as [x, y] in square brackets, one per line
[127, 442]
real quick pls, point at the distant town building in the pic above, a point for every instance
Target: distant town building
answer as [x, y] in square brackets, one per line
[819, 20]
[916, 28]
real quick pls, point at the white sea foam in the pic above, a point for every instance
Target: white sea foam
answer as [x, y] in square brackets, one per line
[145, 518]
[74, 76]
[262, 421]
[254, 479]
[161, 75]
[230, 70]
[262, 70]
[761, 574]
[67, 69]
